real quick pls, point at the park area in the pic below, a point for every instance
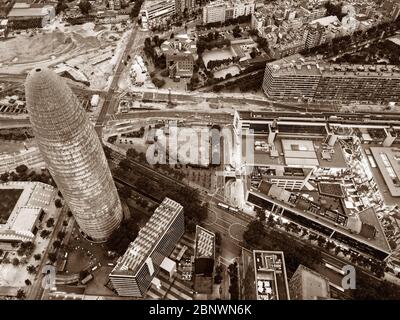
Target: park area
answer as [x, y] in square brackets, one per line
[8, 199]
[232, 70]
[217, 54]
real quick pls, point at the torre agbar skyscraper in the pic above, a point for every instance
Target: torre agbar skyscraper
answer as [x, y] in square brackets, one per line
[73, 154]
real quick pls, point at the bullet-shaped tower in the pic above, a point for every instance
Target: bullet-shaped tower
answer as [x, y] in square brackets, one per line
[73, 154]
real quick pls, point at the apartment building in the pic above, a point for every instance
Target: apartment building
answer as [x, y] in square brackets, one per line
[214, 12]
[154, 13]
[141, 262]
[220, 11]
[297, 78]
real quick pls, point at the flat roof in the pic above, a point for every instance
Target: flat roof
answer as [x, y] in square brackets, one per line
[144, 244]
[29, 12]
[34, 197]
[313, 284]
[378, 242]
[204, 243]
[312, 156]
[388, 162]
[270, 275]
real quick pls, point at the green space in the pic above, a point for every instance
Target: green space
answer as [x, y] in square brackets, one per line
[8, 200]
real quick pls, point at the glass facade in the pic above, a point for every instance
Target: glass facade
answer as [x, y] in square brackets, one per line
[73, 154]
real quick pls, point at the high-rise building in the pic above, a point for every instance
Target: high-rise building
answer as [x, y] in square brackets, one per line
[141, 262]
[307, 284]
[73, 153]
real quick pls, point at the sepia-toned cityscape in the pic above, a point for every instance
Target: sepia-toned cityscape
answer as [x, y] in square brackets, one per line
[233, 150]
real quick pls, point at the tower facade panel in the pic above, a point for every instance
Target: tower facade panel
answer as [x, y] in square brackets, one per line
[73, 154]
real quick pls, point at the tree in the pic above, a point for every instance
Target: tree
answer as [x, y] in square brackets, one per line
[58, 203]
[15, 262]
[218, 238]
[218, 278]
[52, 257]
[61, 235]
[31, 269]
[237, 32]
[85, 6]
[123, 236]
[21, 169]
[28, 282]
[21, 294]
[57, 244]
[83, 274]
[45, 234]
[50, 222]
[125, 192]
[37, 256]
[5, 176]
[61, 6]
[254, 233]
[65, 223]
[260, 214]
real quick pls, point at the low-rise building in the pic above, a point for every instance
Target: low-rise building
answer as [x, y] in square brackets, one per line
[25, 15]
[22, 223]
[180, 53]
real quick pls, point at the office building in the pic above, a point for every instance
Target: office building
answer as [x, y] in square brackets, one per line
[73, 154]
[135, 270]
[307, 284]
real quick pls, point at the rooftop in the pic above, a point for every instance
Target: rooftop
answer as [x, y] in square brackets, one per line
[295, 152]
[301, 66]
[205, 243]
[27, 10]
[34, 196]
[388, 162]
[141, 248]
[181, 44]
[312, 285]
[270, 275]
[354, 225]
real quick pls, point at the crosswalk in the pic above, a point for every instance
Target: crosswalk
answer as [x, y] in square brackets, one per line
[174, 288]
